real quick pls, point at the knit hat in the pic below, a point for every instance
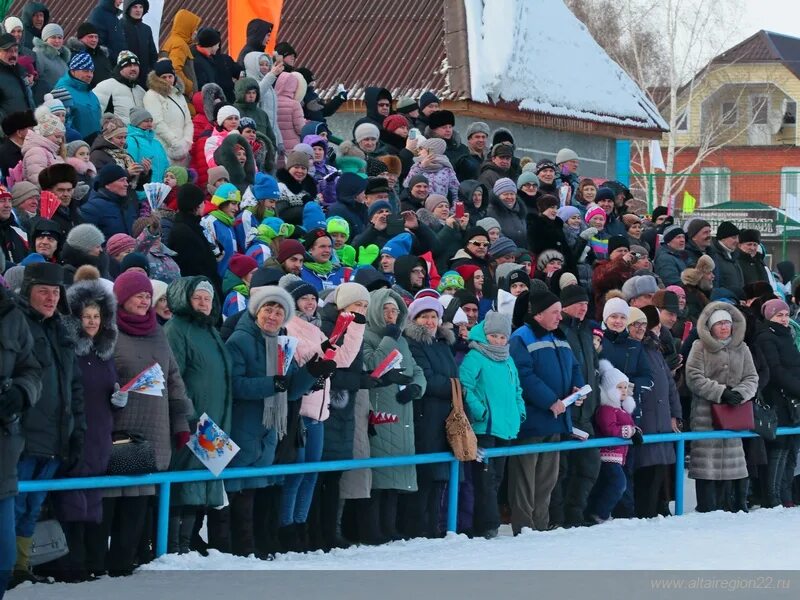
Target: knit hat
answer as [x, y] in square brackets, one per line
[297, 159]
[23, 190]
[109, 174]
[417, 179]
[73, 147]
[338, 225]
[12, 23]
[297, 287]
[289, 248]
[208, 37]
[727, 229]
[433, 145]
[225, 112]
[204, 286]
[51, 30]
[477, 127]
[130, 283]
[573, 294]
[126, 58]
[350, 292]
[593, 211]
[615, 306]
[423, 304]
[241, 265]
[504, 270]
[546, 257]
[451, 279]
[527, 177]
[428, 98]
[543, 164]
[540, 301]
[718, 316]
[227, 192]
[566, 212]
[434, 200]
[504, 184]
[495, 322]
[631, 219]
[164, 67]
[394, 122]
[489, 223]
[217, 173]
[475, 231]
[467, 271]
[618, 241]
[566, 279]
[366, 130]
[610, 378]
[501, 247]
[694, 226]
[379, 205]
[399, 245]
[135, 259]
[139, 115]
[749, 235]
[81, 62]
[180, 173]
[671, 232]
[677, 290]
[770, 308]
[635, 316]
[666, 299]
[406, 105]
[440, 118]
[564, 155]
[376, 167]
[694, 275]
[85, 29]
[49, 124]
[259, 296]
[547, 201]
[639, 286]
[118, 243]
[502, 150]
[189, 198]
[518, 276]
[111, 126]
[85, 237]
[159, 290]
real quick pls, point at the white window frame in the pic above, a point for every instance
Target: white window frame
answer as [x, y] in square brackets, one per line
[715, 186]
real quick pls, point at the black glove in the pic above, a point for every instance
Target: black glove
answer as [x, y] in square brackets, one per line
[319, 385]
[75, 452]
[408, 393]
[637, 438]
[326, 345]
[368, 382]
[371, 431]
[321, 368]
[12, 402]
[392, 331]
[280, 383]
[396, 376]
[731, 397]
[359, 318]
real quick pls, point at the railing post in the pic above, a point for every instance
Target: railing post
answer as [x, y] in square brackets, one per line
[680, 457]
[452, 497]
[162, 530]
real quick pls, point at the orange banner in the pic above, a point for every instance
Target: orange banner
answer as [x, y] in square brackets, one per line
[241, 12]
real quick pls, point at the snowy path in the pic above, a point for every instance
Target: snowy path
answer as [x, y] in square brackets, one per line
[763, 539]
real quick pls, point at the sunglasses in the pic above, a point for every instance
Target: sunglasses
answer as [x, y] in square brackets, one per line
[479, 244]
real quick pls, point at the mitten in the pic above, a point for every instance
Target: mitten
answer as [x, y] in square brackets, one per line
[731, 397]
[321, 368]
[181, 439]
[359, 319]
[12, 402]
[368, 382]
[279, 383]
[118, 398]
[392, 331]
[368, 254]
[589, 233]
[396, 376]
[408, 393]
[637, 438]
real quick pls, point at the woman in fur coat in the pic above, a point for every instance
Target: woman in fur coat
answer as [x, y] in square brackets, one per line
[171, 117]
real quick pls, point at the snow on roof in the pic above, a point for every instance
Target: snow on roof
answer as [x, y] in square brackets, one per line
[538, 54]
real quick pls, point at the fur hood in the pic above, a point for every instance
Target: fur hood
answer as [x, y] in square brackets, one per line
[244, 85]
[79, 295]
[76, 46]
[211, 94]
[738, 326]
[47, 50]
[162, 88]
[426, 217]
[240, 175]
[418, 333]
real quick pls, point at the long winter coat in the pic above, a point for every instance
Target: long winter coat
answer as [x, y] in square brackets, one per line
[627, 355]
[252, 109]
[778, 347]
[753, 268]
[29, 31]
[15, 96]
[710, 368]
[206, 370]
[38, 153]
[119, 95]
[268, 100]
[548, 234]
[178, 46]
[512, 220]
[51, 64]
[98, 376]
[194, 254]
[105, 17]
[391, 439]
[290, 112]
[433, 353]
[580, 339]
[139, 38]
[17, 361]
[172, 121]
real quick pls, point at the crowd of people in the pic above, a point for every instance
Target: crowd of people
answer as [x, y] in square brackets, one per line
[451, 255]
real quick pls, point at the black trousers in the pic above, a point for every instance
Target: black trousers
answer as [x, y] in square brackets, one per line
[88, 545]
[125, 519]
[577, 473]
[422, 510]
[486, 479]
[650, 490]
[729, 495]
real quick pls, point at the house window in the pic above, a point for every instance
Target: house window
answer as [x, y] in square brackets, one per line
[790, 114]
[682, 124]
[715, 186]
[760, 108]
[729, 113]
[790, 190]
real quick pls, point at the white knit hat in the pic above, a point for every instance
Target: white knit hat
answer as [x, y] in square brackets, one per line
[616, 306]
[11, 22]
[50, 30]
[610, 378]
[159, 290]
[718, 316]
[366, 130]
[226, 112]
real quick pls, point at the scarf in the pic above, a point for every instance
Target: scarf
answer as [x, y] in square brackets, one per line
[321, 269]
[495, 353]
[222, 217]
[314, 319]
[136, 325]
[276, 408]
[439, 162]
[242, 288]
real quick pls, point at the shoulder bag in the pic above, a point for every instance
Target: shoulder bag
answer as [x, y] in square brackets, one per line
[459, 432]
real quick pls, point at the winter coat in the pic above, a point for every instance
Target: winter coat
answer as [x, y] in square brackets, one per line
[658, 406]
[753, 268]
[103, 68]
[580, 339]
[205, 367]
[214, 141]
[17, 361]
[290, 112]
[119, 95]
[10, 154]
[294, 196]
[13, 241]
[512, 220]
[105, 17]
[144, 144]
[357, 484]
[139, 39]
[492, 391]
[612, 420]
[465, 192]
[109, 212]
[205, 69]
[178, 46]
[490, 173]
[98, 377]
[29, 32]
[371, 95]
[547, 371]
[355, 213]
[84, 114]
[56, 422]
[222, 235]
[268, 100]
[548, 234]
[669, 264]
[172, 121]
[38, 153]
[257, 30]
[202, 130]
[323, 282]
[727, 272]
[251, 386]
[778, 347]
[240, 175]
[710, 368]
[51, 64]
[15, 96]
[160, 258]
[252, 109]
[193, 253]
[441, 178]
[72, 259]
[391, 439]
[627, 355]
[433, 354]
[468, 166]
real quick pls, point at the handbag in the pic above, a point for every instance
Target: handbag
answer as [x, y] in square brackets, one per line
[765, 419]
[734, 417]
[49, 542]
[792, 408]
[131, 454]
[459, 432]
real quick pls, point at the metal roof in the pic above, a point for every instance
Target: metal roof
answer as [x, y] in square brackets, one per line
[764, 46]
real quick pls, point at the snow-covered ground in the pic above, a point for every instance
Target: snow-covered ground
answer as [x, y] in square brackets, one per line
[760, 540]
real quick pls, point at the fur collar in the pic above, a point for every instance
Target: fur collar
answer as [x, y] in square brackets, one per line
[212, 94]
[159, 86]
[628, 405]
[76, 47]
[47, 50]
[420, 334]
[79, 295]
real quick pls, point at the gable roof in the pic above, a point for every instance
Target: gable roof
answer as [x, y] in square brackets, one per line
[764, 46]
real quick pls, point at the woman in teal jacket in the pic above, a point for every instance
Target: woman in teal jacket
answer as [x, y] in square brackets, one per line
[495, 407]
[84, 112]
[142, 143]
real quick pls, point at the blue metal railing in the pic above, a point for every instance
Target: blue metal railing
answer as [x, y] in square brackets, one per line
[165, 479]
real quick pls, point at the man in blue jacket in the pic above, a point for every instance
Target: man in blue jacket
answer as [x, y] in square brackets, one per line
[548, 373]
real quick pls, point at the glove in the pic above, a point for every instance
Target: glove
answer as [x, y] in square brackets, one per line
[637, 438]
[408, 393]
[118, 398]
[326, 345]
[75, 452]
[392, 331]
[589, 233]
[368, 382]
[731, 397]
[280, 383]
[396, 376]
[319, 385]
[321, 368]
[181, 439]
[12, 402]
[359, 319]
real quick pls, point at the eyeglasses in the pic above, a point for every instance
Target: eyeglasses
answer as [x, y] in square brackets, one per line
[479, 244]
[638, 325]
[418, 271]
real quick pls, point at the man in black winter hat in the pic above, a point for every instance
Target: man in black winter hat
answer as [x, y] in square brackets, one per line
[15, 129]
[750, 258]
[87, 39]
[723, 251]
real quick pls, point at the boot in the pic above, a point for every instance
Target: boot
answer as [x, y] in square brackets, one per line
[388, 514]
[173, 533]
[242, 536]
[219, 529]
[185, 531]
[303, 543]
[287, 535]
[197, 544]
[368, 519]
[22, 568]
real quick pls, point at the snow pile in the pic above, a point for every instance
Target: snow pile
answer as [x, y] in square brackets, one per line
[537, 53]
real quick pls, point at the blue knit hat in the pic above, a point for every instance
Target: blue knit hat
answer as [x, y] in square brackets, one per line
[266, 187]
[379, 205]
[81, 62]
[313, 217]
[399, 245]
[350, 185]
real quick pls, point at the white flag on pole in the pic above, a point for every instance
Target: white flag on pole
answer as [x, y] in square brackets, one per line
[656, 159]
